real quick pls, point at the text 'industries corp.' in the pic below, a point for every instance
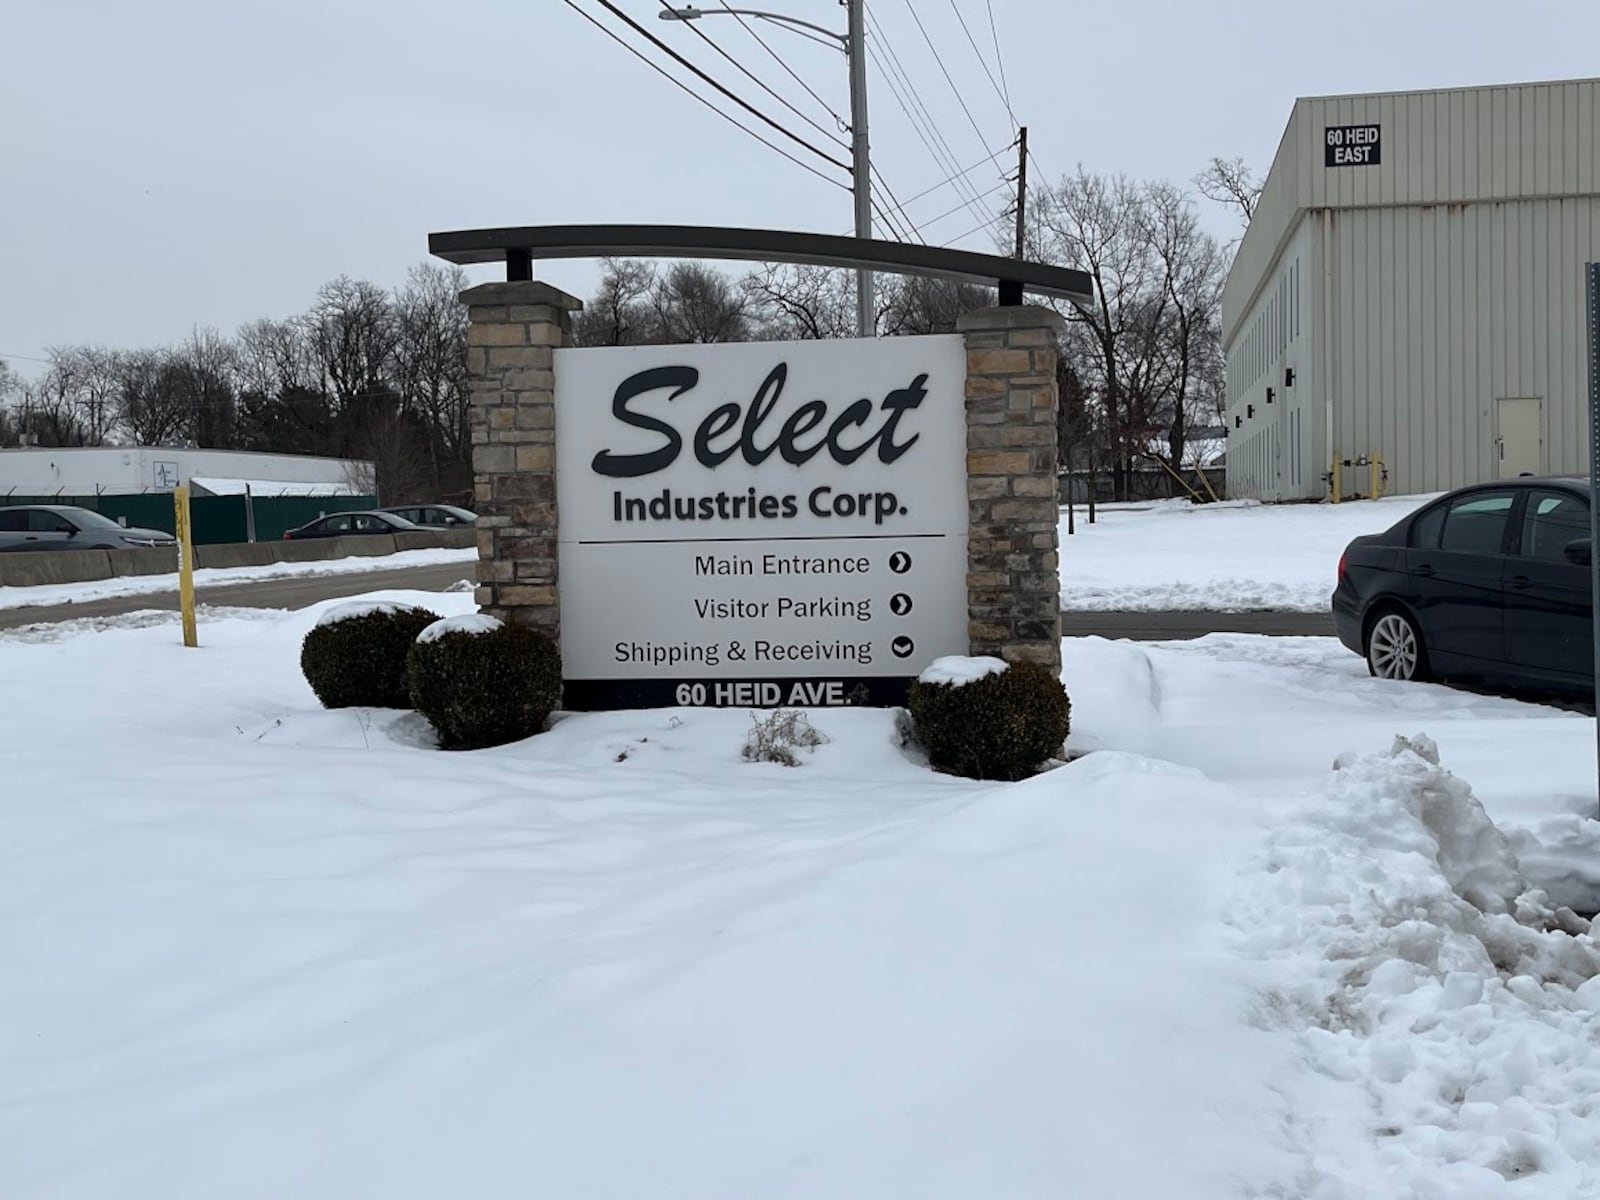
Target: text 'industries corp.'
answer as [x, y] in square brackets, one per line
[760, 523]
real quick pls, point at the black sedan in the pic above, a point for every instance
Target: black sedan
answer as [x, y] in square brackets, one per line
[1489, 583]
[349, 524]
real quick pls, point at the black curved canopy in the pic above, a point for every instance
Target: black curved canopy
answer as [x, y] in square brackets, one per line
[517, 247]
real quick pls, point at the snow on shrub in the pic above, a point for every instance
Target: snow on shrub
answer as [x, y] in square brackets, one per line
[986, 719]
[776, 737]
[484, 686]
[355, 655]
[469, 623]
[957, 670]
[1414, 960]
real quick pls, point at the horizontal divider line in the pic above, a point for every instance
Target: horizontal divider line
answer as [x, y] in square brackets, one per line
[843, 537]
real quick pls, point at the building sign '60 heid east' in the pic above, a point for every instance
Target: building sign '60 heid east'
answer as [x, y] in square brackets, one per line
[1352, 146]
[760, 524]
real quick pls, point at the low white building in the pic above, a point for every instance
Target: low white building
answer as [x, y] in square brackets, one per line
[1409, 297]
[123, 470]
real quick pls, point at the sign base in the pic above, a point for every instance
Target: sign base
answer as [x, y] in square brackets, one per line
[605, 695]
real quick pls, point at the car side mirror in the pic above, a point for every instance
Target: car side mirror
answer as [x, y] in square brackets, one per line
[1579, 552]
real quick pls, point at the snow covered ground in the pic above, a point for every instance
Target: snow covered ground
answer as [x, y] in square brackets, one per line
[1232, 557]
[145, 585]
[257, 949]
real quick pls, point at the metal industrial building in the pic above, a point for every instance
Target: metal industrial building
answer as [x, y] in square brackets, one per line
[1406, 308]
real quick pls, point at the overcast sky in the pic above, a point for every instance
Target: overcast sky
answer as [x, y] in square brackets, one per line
[172, 163]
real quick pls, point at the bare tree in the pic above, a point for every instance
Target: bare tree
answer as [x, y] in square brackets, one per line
[50, 414]
[696, 303]
[915, 304]
[85, 377]
[1095, 224]
[1229, 181]
[1192, 270]
[802, 302]
[198, 377]
[431, 366]
[148, 411]
[619, 313]
[353, 331]
[10, 389]
[276, 356]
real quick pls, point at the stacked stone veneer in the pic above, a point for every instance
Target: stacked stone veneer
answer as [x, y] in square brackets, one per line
[1013, 564]
[511, 342]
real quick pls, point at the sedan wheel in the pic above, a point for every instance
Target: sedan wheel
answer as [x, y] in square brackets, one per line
[1394, 649]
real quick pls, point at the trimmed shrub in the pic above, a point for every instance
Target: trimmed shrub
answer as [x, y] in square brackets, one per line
[484, 685]
[356, 654]
[997, 725]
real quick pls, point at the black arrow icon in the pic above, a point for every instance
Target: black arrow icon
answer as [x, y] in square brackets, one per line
[900, 604]
[902, 647]
[900, 562]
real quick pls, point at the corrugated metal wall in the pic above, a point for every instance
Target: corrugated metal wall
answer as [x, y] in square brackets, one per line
[1270, 454]
[1442, 147]
[1432, 284]
[1440, 311]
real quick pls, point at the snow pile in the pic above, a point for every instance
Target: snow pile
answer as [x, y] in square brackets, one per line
[356, 609]
[473, 623]
[958, 670]
[1417, 964]
[1563, 855]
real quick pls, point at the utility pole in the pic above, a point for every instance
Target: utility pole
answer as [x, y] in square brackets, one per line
[854, 44]
[861, 162]
[1022, 183]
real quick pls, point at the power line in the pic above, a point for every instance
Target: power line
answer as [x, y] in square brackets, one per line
[737, 99]
[28, 358]
[778, 58]
[963, 207]
[892, 68]
[982, 62]
[960, 99]
[999, 59]
[982, 162]
[897, 225]
[572, 4]
[758, 81]
[973, 230]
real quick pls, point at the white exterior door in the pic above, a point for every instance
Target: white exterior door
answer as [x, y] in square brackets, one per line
[1519, 436]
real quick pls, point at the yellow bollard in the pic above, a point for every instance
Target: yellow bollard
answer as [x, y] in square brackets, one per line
[180, 503]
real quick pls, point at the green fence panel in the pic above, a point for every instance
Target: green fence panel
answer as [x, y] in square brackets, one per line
[274, 514]
[214, 520]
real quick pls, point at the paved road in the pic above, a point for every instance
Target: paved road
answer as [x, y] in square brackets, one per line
[292, 592]
[297, 592]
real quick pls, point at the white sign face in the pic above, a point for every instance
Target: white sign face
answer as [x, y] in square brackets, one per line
[761, 523]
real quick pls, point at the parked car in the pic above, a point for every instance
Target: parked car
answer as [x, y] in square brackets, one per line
[65, 527]
[433, 516]
[1490, 582]
[349, 524]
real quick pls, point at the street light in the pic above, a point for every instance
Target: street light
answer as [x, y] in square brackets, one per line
[853, 43]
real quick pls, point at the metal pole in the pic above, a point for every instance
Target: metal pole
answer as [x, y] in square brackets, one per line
[249, 515]
[1593, 290]
[861, 162]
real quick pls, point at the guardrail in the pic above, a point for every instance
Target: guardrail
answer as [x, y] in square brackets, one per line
[38, 567]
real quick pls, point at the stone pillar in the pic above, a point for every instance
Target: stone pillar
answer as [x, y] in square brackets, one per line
[1013, 567]
[511, 341]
